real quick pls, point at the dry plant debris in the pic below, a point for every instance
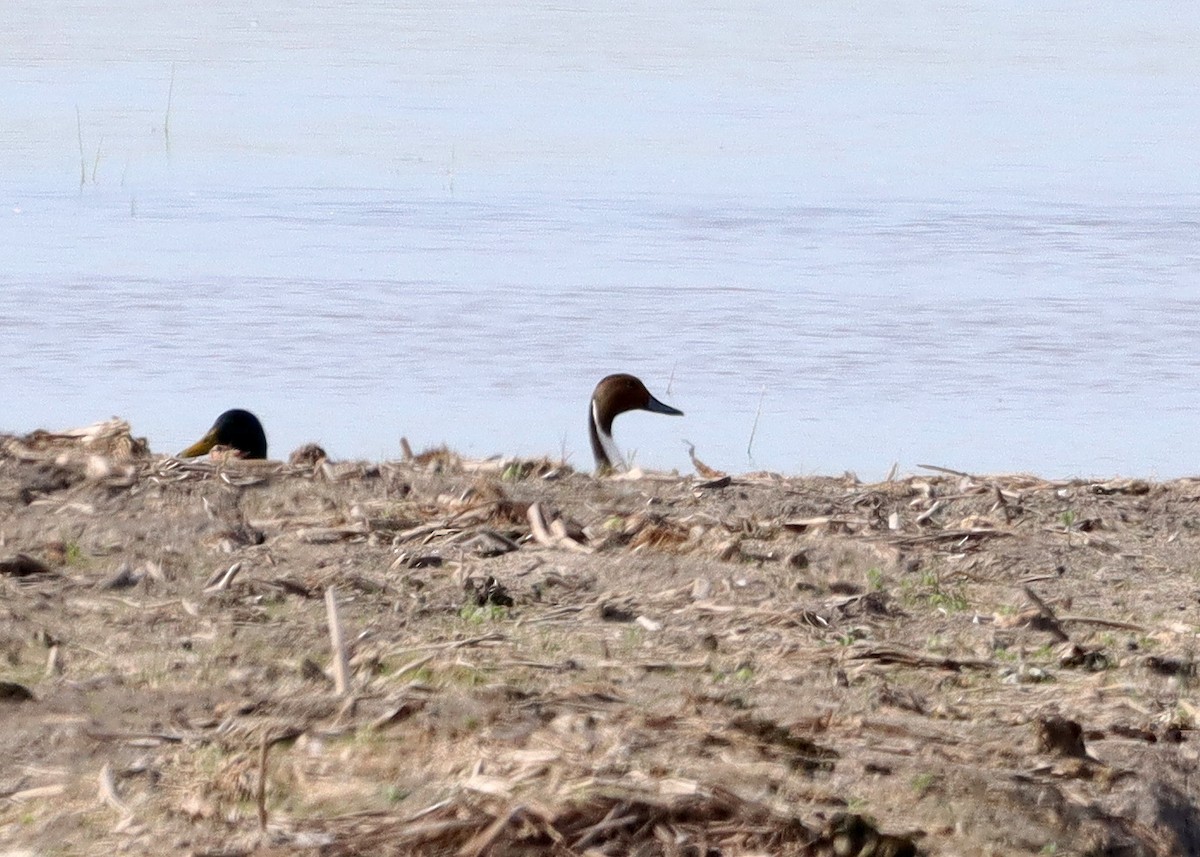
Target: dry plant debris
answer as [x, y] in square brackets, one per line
[452, 657]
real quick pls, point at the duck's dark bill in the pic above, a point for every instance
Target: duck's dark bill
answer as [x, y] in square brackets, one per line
[659, 408]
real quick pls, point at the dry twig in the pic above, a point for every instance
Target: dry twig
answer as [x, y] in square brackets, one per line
[341, 663]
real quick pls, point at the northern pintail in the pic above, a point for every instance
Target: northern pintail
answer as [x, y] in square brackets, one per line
[615, 395]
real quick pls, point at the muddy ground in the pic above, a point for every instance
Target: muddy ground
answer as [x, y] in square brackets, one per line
[541, 662]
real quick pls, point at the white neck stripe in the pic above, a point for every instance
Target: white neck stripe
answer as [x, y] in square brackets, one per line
[607, 443]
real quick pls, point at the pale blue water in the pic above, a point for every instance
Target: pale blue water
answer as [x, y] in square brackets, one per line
[948, 233]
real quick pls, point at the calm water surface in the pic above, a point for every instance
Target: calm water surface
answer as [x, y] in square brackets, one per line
[948, 233]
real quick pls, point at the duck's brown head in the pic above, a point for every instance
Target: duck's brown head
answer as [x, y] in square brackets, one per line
[615, 395]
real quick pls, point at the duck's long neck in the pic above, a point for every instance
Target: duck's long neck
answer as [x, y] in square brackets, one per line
[604, 448]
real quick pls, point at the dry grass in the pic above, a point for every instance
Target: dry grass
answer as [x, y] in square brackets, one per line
[541, 662]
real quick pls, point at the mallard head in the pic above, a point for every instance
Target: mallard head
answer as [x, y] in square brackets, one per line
[237, 429]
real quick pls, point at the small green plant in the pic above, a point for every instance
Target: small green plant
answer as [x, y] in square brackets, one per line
[1147, 643]
[483, 614]
[851, 636]
[952, 600]
[1183, 718]
[1044, 652]
[1068, 518]
[922, 783]
[74, 553]
[875, 579]
[519, 470]
[742, 672]
[633, 637]
[421, 675]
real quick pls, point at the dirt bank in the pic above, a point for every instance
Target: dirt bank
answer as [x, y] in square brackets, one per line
[538, 661]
